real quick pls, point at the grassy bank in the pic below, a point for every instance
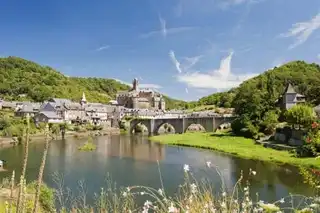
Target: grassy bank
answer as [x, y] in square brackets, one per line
[239, 146]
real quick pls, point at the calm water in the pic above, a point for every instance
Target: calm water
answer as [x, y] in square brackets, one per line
[132, 160]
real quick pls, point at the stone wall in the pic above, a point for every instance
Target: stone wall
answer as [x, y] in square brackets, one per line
[289, 136]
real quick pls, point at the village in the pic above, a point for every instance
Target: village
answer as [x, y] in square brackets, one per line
[136, 102]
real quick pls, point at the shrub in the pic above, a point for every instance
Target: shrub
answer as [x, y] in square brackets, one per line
[46, 196]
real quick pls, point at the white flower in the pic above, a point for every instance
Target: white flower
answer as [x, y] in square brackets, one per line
[208, 164]
[172, 209]
[147, 204]
[254, 172]
[124, 194]
[246, 188]
[314, 205]
[160, 191]
[224, 194]
[193, 188]
[186, 168]
[282, 200]
[142, 193]
[128, 189]
[223, 205]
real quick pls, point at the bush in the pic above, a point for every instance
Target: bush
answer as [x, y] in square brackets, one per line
[98, 127]
[46, 196]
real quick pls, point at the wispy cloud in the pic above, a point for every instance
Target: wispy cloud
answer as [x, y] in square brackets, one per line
[164, 31]
[301, 31]
[163, 26]
[188, 62]
[103, 48]
[187, 91]
[151, 86]
[191, 61]
[221, 78]
[175, 61]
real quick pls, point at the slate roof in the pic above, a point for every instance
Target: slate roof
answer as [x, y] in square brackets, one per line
[60, 101]
[50, 114]
[9, 104]
[290, 89]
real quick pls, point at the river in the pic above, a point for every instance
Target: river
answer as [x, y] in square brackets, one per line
[132, 160]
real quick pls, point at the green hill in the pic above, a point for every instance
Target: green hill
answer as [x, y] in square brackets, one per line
[255, 100]
[21, 79]
[270, 85]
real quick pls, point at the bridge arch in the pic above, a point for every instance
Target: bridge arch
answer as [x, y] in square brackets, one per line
[134, 123]
[225, 125]
[194, 127]
[166, 127]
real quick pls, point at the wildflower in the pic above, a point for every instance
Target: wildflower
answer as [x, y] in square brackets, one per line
[282, 200]
[208, 164]
[128, 189]
[223, 205]
[172, 209]
[246, 189]
[308, 139]
[254, 172]
[193, 188]
[186, 168]
[270, 207]
[142, 193]
[224, 194]
[314, 205]
[147, 204]
[160, 191]
[314, 125]
[124, 194]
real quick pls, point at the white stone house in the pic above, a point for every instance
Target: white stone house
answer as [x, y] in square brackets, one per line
[48, 117]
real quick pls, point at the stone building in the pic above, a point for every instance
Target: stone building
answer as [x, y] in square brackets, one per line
[144, 98]
[291, 98]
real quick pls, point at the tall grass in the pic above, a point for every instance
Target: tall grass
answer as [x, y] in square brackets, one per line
[192, 197]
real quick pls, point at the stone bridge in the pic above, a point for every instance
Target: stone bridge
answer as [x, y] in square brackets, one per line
[181, 125]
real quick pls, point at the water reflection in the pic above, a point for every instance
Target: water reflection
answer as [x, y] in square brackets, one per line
[132, 160]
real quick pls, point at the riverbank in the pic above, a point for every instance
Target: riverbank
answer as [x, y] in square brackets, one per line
[12, 141]
[238, 146]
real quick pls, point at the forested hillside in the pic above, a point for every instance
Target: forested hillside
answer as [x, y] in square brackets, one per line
[255, 100]
[21, 79]
[268, 86]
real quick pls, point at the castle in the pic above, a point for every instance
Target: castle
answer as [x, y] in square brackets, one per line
[144, 98]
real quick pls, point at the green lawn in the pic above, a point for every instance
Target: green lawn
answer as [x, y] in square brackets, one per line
[239, 146]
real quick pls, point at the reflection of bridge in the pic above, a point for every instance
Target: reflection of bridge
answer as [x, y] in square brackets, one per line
[181, 124]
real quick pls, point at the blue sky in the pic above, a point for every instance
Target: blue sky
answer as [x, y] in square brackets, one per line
[184, 48]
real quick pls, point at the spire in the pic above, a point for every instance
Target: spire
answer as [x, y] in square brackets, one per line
[290, 89]
[83, 99]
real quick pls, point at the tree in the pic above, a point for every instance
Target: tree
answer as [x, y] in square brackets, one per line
[270, 121]
[301, 114]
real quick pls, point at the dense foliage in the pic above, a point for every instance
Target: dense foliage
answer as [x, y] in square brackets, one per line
[302, 115]
[21, 79]
[269, 86]
[255, 98]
